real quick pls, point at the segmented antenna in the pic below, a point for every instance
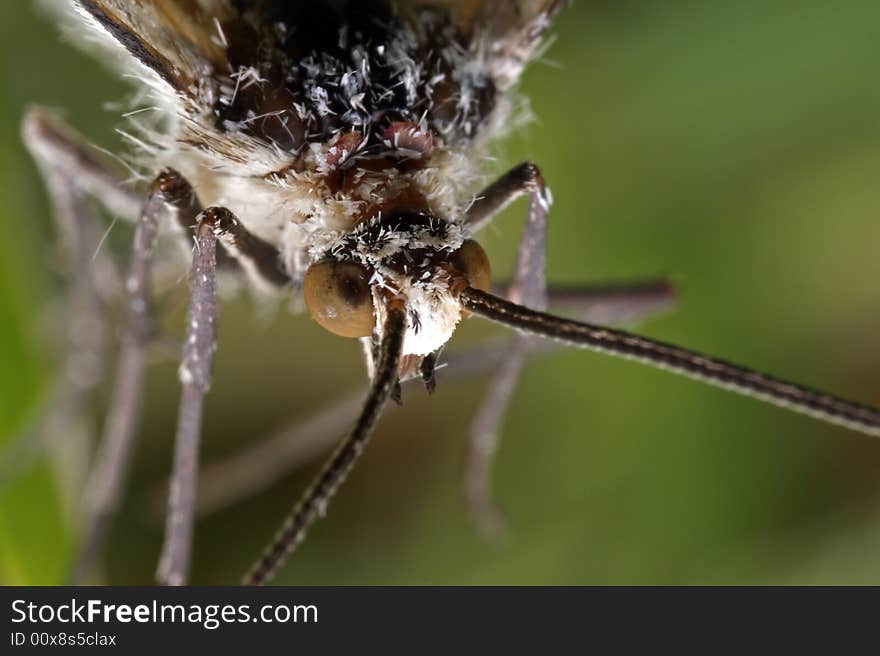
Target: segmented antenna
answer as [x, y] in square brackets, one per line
[719, 373]
[334, 471]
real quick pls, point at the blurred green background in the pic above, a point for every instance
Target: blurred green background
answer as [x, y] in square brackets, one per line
[733, 146]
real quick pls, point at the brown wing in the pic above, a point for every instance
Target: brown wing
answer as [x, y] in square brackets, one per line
[179, 40]
[512, 29]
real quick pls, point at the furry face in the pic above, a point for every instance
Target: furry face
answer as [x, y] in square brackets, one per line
[313, 121]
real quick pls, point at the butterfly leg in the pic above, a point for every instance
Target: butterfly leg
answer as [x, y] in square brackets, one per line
[610, 303]
[614, 304]
[106, 483]
[93, 279]
[528, 287]
[259, 259]
[215, 226]
[74, 172]
[61, 152]
[195, 377]
[71, 174]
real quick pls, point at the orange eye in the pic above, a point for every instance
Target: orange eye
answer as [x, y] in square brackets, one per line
[338, 297]
[470, 260]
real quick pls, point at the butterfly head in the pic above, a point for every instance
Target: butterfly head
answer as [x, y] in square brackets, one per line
[406, 257]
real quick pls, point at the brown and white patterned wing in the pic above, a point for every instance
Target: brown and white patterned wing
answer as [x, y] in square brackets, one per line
[178, 41]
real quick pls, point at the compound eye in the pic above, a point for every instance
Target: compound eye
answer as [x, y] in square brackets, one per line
[470, 260]
[337, 295]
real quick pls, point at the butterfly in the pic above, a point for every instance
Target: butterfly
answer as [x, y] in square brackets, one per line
[329, 152]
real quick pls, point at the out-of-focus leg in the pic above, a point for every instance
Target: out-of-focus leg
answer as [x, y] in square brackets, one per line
[109, 473]
[606, 303]
[613, 304]
[528, 287]
[56, 146]
[72, 173]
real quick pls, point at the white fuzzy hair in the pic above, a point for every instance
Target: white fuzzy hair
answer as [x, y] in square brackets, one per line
[293, 208]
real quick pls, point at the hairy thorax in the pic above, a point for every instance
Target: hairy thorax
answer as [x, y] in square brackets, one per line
[305, 133]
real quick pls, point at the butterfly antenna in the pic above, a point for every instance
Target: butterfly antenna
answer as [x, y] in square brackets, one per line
[719, 373]
[314, 502]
